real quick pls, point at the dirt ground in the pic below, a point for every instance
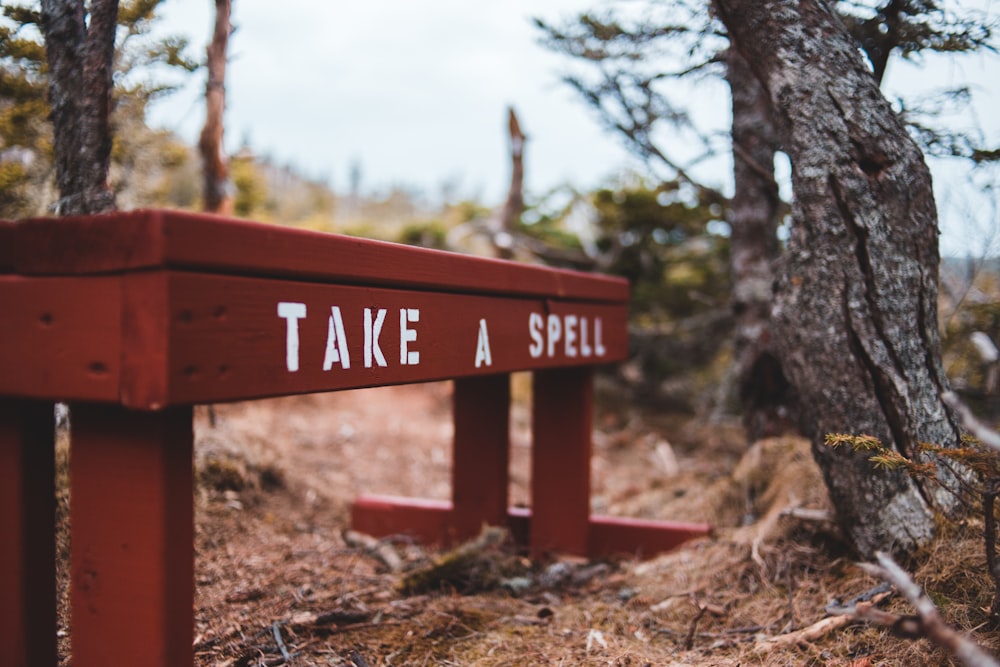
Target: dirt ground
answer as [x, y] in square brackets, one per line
[282, 581]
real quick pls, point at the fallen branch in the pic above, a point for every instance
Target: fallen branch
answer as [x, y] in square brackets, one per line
[808, 634]
[382, 551]
[928, 622]
[858, 609]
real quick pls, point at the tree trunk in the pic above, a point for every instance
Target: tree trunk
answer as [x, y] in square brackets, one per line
[753, 218]
[80, 54]
[513, 207]
[855, 316]
[217, 189]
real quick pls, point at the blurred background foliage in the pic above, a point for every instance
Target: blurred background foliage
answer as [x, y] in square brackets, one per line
[667, 238]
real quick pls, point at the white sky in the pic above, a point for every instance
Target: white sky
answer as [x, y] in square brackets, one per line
[416, 92]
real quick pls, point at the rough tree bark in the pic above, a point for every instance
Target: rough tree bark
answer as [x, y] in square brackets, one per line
[217, 190]
[80, 54]
[855, 315]
[753, 218]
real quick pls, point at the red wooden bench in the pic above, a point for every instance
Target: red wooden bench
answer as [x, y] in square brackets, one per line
[133, 318]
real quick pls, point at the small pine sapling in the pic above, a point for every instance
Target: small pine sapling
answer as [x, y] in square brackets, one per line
[975, 466]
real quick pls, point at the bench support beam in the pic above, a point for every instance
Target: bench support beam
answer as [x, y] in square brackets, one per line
[27, 534]
[480, 463]
[560, 519]
[561, 424]
[132, 513]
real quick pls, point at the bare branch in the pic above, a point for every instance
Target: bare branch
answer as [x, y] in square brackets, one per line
[983, 433]
[931, 624]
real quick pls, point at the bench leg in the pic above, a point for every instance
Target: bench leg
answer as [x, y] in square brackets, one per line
[27, 534]
[562, 413]
[481, 453]
[132, 514]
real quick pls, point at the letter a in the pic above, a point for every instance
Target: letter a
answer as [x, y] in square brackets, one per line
[483, 355]
[336, 342]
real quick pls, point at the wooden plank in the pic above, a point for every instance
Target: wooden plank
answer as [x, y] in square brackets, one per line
[561, 424]
[428, 521]
[639, 538]
[60, 337]
[480, 477]
[240, 338]
[161, 239]
[27, 527]
[63, 337]
[132, 521]
[6, 246]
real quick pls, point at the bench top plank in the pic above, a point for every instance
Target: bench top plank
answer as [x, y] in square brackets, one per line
[155, 308]
[150, 239]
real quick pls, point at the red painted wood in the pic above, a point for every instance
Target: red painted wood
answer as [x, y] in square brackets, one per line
[6, 246]
[560, 460]
[619, 536]
[159, 239]
[27, 527]
[132, 537]
[428, 521]
[146, 344]
[60, 337]
[229, 342]
[481, 454]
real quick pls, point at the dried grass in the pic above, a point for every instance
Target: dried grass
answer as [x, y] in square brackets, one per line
[271, 562]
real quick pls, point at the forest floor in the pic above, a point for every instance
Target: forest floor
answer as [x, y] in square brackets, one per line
[282, 581]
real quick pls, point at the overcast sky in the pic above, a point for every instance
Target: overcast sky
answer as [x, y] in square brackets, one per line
[416, 93]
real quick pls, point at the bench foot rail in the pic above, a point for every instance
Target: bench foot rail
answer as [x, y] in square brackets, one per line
[431, 522]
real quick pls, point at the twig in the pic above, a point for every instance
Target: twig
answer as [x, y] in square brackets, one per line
[790, 586]
[930, 623]
[276, 629]
[358, 659]
[807, 634]
[857, 609]
[689, 640]
[874, 595]
[380, 549]
[983, 433]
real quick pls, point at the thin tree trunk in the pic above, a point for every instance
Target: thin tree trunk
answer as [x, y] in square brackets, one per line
[855, 317]
[217, 189]
[753, 218]
[513, 207]
[80, 54]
